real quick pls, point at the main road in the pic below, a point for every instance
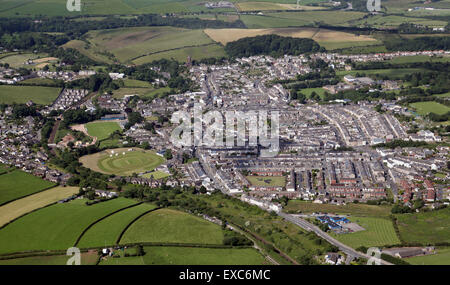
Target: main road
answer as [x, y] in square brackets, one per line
[310, 227]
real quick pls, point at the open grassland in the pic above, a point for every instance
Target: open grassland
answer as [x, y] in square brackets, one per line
[170, 226]
[23, 94]
[442, 257]
[107, 231]
[418, 58]
[424, 108]
[304, 18]
[328, 38]
[191, 256]
[87, 258]
[144, 44]
[135, 161]
[181, 54]
[102, 130]
[28, 204]
[391, 74]
[264, 6]
[267, 181]
[378, 232]
[19, 60]
[392, 21]
[360, 210]
[132, 83]
[17, 184]
[56, 227]
[425, 228]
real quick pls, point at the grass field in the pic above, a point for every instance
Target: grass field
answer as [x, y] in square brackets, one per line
[391, 74]
[393, 21]
[156, 175]
[20, 207]
[170, 226]
[23, 94]
[107, 231]
[55, 227]
[442, 257]
[87, 258]
[102, 130]
[425, 228]
[268, 181]
[191, 256]
[360, 210]
[264, 6]
[418, 58]
[378, 232]
[145, 44]
[135, 161]
[424, 108]
[19, 60]
[17, 184]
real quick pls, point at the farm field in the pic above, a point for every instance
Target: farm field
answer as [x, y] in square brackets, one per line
[378, 232]
[133, 44]
[56, 227]
[418, 58]
[328, 38]
[424, 108]
[191, 256]
[303, 18]
[115, 162]
[267, 181]
[393, 21]
[28, 204]
[263, 6]
[360, 210]
[425, 228]
[107, 231]
[22, 94]
[102, 130]
[442, 257]
[17, 184]
[18, 60]
[87, 258]
[390, 73]
[170, 226]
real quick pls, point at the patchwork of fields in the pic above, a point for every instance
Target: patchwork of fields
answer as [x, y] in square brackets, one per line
[17, 184]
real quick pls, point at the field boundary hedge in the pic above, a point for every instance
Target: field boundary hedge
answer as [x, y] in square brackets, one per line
[133, 221]
[101, 219]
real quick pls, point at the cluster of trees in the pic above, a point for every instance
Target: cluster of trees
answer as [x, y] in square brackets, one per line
[401, 143]
[77, 28]
[418, 44]
[32, 41]
[273, 45]
[80, 116]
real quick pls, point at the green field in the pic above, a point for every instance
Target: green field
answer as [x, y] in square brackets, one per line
[267, 181]
[191, 256]
[87, 258]
[56, 227]
[145, 44]
[107, 231]
[17, 184]
[424, 108]
[442, 257]
[170, 226]
[378, 232]
[425, 228]
[102, 130]
[30, 203]
[23, 94]
[124, 163]
[156, 175]
[360, 210]
[391, 74]
[418, 58]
